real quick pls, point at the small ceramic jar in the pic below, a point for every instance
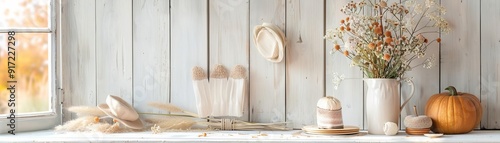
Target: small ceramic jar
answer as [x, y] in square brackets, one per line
[329, 113]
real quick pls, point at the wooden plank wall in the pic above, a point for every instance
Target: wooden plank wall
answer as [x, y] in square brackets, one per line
[267, 89]
[143, 50]
[490, 64]
[79, 61]
[189, 25]
[305, 60]
[113, 44]
[151, 53]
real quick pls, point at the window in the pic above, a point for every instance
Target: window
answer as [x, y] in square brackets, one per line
[28, 95]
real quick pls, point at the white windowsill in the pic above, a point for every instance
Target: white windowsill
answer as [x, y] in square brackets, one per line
[238, 136]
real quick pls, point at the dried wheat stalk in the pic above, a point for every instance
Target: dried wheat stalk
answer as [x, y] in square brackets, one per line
[170, 108]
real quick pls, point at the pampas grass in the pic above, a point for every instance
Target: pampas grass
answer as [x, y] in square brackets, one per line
[78, 124]
[82, 111]
[99, 127]
[89, 124]
[166, 107]
[170, 108]
[170, 123]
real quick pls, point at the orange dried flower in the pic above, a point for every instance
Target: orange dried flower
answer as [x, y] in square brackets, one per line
[342, 21]
[96, 119]
[342, 28]
[388, 40]
[346, 53]
[388, 34]
[425, 40]
[347, 18]
[438, 40]
[337, 47]
[387, 57]
[348, 28]
[378, 30]
[379, 43]
[383, 4]
[371, 46]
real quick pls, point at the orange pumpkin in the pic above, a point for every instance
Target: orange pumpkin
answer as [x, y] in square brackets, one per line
[454, 112]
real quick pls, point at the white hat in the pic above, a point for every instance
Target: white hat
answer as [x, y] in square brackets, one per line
[120, 110]
[270, 41]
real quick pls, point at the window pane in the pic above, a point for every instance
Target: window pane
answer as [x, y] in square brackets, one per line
[24, 14]
[31, 73]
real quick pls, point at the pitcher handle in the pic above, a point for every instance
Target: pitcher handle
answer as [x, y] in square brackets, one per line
[410, 83]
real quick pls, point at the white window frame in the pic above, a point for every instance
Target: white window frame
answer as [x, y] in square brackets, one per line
[48, 119]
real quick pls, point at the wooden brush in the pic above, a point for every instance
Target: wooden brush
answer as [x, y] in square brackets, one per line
[236, 91]
[202, 92]
[234, 124]
[218, 90]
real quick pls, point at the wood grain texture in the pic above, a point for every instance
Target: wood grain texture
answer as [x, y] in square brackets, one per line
[305, 60]
[461, 48]
[351, 99]
[189, 48]
[114, 49]
[426, 81]
[228, 36]
[267, 86]
[78, 55]
[490, 64]
[151, 53]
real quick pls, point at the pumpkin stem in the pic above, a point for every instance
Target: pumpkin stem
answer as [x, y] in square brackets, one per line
[415, 110]
[453, 90]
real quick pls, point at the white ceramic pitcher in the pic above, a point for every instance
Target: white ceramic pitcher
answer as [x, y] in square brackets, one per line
[383, 103]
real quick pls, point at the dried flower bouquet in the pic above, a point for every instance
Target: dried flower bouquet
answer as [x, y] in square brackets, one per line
[384, 39]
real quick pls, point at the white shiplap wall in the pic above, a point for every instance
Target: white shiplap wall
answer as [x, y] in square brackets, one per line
[79, 60]
[490, 63]
[267, 89]
[189, 25]
[151, 53]
[143, 50]
[305, 60]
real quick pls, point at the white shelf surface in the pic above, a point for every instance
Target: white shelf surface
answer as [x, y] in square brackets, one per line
[239, 136]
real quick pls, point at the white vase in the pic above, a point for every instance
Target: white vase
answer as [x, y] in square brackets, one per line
[383, 103]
